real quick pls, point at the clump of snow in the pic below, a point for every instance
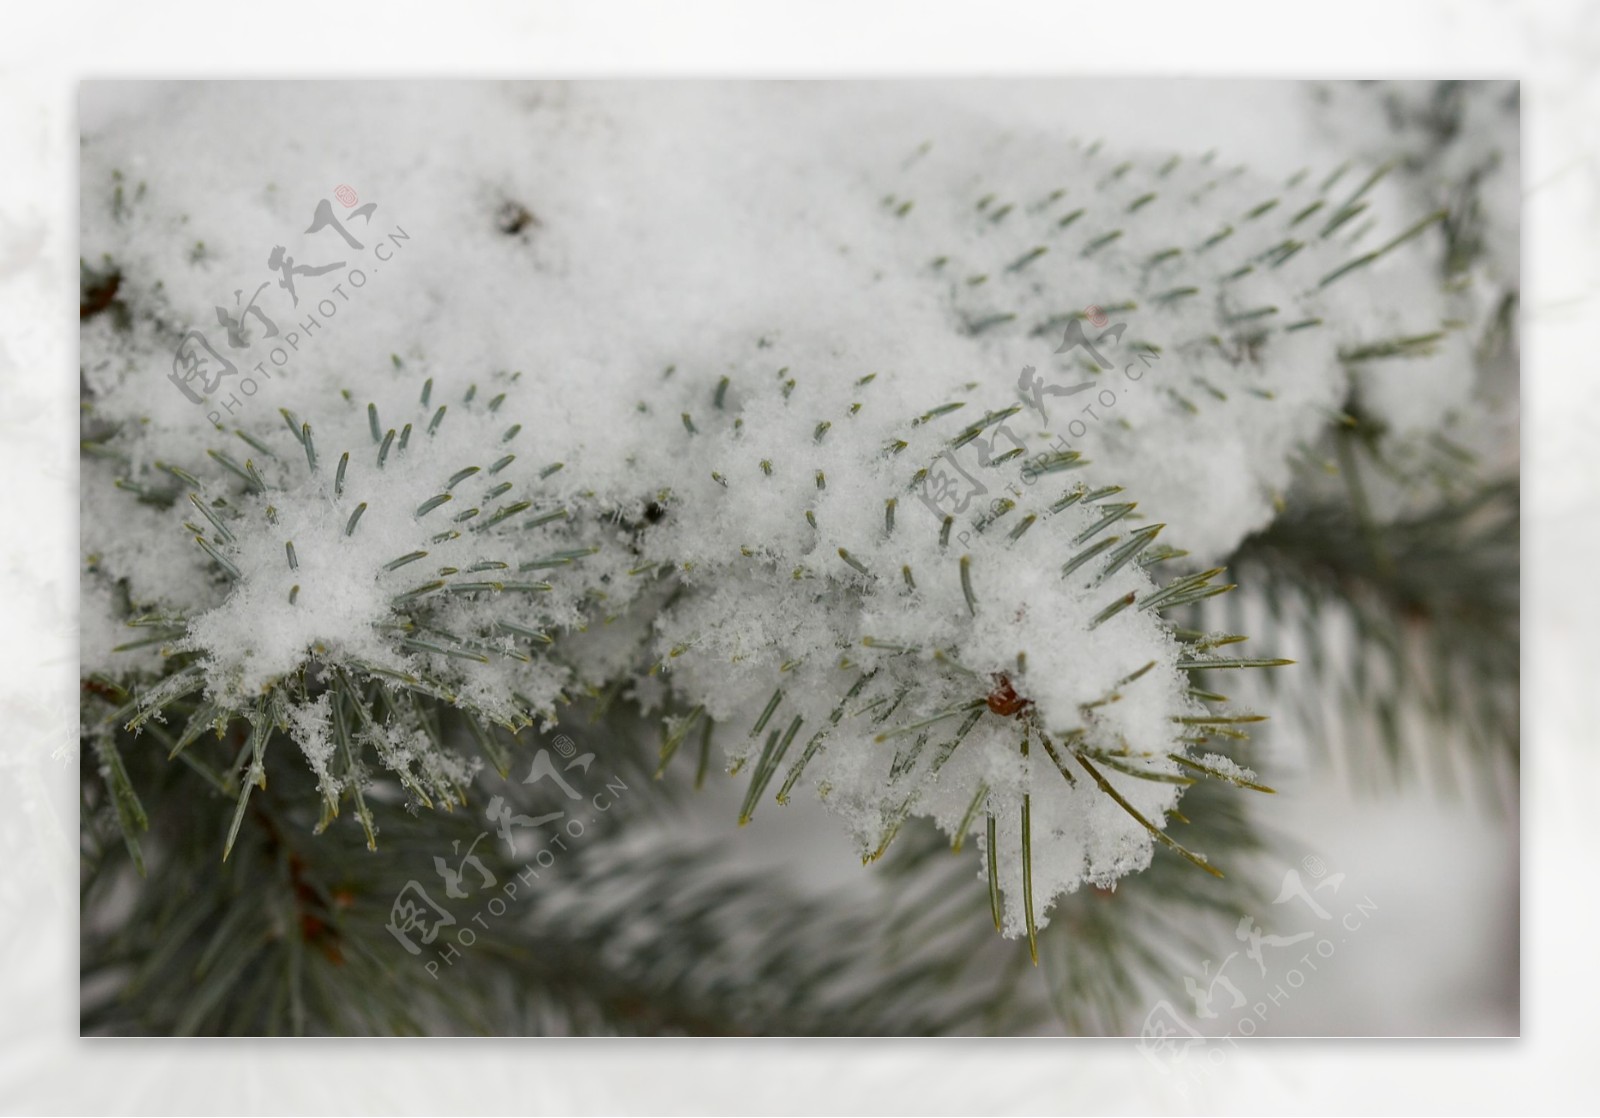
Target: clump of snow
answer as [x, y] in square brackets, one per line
[1449, 409]
[311, 724]
[1181, 321]
[391, 512]
[802, 585]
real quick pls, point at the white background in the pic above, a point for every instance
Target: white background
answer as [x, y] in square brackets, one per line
[1553, 47]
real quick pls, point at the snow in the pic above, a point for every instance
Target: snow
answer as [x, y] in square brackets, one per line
[737, 310]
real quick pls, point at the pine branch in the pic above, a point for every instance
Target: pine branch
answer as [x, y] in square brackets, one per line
[1433, 601]
[408, 580]
[635, 930]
